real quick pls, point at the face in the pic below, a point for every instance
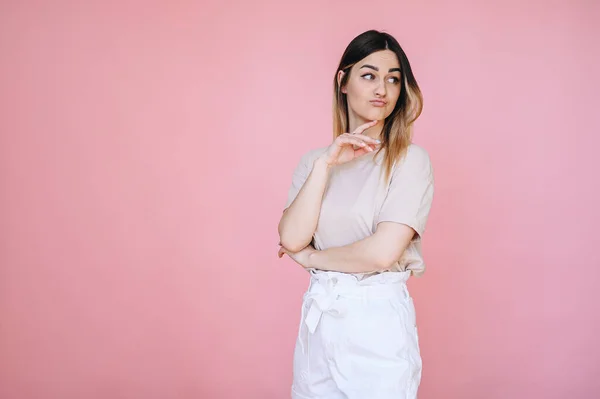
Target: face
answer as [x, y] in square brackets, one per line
[373, 87]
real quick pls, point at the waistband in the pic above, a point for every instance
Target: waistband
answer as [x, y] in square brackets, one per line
[379, 279]
[326, 288]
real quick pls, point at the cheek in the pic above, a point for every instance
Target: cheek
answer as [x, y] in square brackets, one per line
[395, 95]
[356, 93]
[357, 99]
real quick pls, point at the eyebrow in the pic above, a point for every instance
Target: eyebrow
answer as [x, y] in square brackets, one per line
[377, 69]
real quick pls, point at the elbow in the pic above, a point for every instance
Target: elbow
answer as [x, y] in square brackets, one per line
[384, 262]
[291, 244]
[291, 240]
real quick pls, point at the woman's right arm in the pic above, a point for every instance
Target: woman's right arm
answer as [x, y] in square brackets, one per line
[299, 220]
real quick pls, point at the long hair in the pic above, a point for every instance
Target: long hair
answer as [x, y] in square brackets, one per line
[397, 128]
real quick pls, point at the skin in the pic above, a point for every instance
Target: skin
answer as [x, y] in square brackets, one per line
[366, 84]
[375, 77]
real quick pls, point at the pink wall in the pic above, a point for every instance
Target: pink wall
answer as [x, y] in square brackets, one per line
[146, 150]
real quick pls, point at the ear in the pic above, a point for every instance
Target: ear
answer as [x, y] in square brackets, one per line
[340, 75]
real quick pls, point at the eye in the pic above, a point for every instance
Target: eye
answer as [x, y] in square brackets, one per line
[370, 76]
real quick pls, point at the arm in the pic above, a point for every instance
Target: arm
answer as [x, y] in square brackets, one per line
[299, 220]
[374, 253]
[402, 216]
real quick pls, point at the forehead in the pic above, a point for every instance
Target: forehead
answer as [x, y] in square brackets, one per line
[384, 60]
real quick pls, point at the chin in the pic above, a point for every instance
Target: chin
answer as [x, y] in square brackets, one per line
[377, 115]
[371, 115]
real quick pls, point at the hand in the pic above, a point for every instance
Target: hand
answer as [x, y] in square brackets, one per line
[348, 146]
[300, 257]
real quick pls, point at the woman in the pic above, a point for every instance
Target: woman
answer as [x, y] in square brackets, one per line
[354, 218]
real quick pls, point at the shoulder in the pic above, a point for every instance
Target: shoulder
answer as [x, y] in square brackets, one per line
[416, 153]
[416, 159]
[309, 157]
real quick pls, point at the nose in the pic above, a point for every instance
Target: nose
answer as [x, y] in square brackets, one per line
[380, 90]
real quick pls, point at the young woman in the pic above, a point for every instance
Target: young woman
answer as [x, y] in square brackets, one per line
[354, 218]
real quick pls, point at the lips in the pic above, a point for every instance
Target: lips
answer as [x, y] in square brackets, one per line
[378, 103]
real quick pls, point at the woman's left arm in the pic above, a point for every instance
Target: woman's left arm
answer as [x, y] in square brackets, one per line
[374, 253]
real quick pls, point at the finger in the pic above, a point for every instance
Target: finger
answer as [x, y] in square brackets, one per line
[364, 138]
[360, 152]
[348, 138]
[362, 128]
[354, 140]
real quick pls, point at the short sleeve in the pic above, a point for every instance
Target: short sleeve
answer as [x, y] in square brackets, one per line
[301, 172]
[410, 193]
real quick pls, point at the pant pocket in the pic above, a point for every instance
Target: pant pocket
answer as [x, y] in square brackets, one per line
[412, 314]
[406, 317]
[300, 369]
[411, 352]
[302, 335]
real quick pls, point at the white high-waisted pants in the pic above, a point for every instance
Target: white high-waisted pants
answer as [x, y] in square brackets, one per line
[357, 339]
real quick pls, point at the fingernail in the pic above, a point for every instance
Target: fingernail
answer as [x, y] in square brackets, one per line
[378, 141]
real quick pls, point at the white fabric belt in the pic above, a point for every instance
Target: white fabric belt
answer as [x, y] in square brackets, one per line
[326, 289]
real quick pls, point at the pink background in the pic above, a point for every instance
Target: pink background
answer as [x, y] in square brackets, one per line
[146, 150]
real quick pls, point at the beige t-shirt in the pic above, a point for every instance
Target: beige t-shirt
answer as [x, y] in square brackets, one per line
[356, 199]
